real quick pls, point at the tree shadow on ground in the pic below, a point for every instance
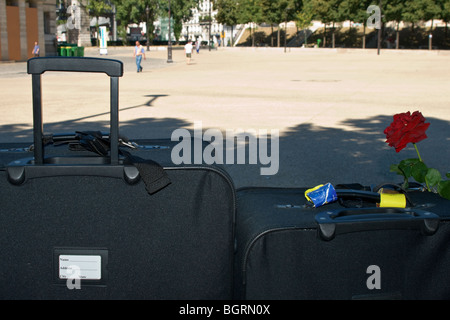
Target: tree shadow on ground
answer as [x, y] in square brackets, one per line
[23, 132]
[308, 154]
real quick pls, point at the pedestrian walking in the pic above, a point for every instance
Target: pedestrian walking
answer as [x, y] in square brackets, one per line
[188, 51]
[138, 53]
[197, 46]
[35, 51]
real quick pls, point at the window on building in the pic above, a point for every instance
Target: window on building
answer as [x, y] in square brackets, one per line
[32, 4]
[47, 22]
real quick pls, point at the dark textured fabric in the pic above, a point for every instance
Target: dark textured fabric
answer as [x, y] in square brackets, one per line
[152, 173]
[281, 255]
[175, 244]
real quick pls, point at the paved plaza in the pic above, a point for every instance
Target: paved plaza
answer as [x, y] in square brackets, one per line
[330, 106]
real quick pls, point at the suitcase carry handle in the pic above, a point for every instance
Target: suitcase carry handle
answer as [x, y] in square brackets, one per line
[349, 220]
[113, 68]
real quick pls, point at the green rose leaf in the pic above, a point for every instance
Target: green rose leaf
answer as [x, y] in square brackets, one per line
[406, 166]
[433, 177]
[419, 170]
[444, 189]
[395, 168]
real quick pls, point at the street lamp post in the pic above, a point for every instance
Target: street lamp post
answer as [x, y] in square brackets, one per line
[147, 10]
[285, 32]
[169, 43]
[285, 29]
[379, 30]
[210, 20]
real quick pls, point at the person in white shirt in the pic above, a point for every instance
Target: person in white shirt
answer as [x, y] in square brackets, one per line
[188, 51]
[138, 53]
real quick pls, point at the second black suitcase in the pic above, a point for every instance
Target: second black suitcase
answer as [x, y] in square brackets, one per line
[288, 249]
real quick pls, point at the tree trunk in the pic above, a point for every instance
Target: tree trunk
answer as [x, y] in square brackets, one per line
[430, 37]
[364, 37]
[278, 36]
[253, 36]
[98, 32]
[232, 41]
[446, 28]
[271, 35]
[333, 38]
[325, 37]
[397, 39]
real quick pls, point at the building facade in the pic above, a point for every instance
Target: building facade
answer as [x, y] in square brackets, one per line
[198, 27]
[24, 22]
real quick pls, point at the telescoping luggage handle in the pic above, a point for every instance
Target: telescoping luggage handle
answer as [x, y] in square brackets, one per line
[113, 68]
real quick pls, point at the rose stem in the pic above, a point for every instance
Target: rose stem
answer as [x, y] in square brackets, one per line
[420, 159]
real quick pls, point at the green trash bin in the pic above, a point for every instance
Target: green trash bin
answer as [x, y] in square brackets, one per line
[80, 51]
[68, 51]
[74, 51]
[63, 51]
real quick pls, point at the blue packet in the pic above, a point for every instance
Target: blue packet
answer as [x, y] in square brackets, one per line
[321, 194]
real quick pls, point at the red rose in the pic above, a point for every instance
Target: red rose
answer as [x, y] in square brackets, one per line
[406, 128]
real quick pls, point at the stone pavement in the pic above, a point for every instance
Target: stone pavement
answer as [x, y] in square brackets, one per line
[329, 105]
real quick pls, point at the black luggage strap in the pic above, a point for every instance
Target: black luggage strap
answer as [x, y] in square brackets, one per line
[152, 173]
[92, 141]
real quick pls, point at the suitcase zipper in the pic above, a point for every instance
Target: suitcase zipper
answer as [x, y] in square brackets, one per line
[256, 238]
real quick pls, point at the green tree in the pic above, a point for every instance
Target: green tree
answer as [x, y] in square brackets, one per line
[275, 12]
[445, 15]
[227, 13]
[393, 11]
[420, 10]
[250, 12]
[134, 11]
[269, 15]
[326, 11]
[429, 10]
[181, 11]
[304, 17]
[356, 11]
[97, 9]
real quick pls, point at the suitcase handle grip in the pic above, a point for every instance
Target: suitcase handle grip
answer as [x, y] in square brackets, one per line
[113, 68]
[349, 220]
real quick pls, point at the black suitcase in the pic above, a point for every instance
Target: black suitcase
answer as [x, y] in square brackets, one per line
[77, 225]
[348, 249]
